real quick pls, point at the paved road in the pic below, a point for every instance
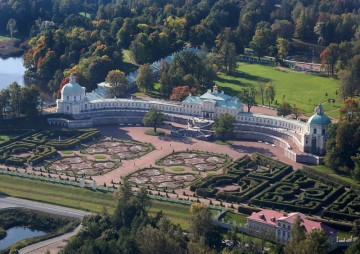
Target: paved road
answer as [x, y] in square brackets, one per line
[48, 208]
[6, 202]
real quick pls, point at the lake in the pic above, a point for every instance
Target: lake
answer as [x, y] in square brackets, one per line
[16, 234]
[11, 69]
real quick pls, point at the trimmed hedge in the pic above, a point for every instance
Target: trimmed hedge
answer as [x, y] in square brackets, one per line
[42, 153]
[346, 207]
[248, 209]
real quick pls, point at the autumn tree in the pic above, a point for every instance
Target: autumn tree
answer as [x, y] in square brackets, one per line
[117, 83]
[283, 47]
[145, 80]
[316, 242]
[248, 96]
[224, 126]
[329, 58]
[154, 118]
[179, 93]
[12, 27]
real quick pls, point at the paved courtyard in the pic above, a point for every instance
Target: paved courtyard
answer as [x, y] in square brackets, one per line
[165, 145]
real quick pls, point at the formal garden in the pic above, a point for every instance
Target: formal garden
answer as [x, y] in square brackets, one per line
[196, 160]
[157, 178]
[119, 149]
[81, 166]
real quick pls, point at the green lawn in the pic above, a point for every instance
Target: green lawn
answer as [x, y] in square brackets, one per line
[329, 171]
[304, 90]
[4, 138]
[239, 218]
[177, 169]
[99, 157]
[83, 199]
[127, 65]
[225, 143]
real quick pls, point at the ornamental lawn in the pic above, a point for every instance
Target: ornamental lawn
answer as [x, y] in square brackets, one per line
[297, 87]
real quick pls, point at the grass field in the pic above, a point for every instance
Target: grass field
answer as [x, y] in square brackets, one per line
[4, 138]
[83, 199]
[239, 218]
[225, 143]
[329, 171]
[127, 66]
[304, 90]
[67, 152]
[153, 133]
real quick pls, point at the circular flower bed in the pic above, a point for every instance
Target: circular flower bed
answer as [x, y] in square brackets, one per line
[80, 166]
[197, 160]
[122, 149]
[157, 178]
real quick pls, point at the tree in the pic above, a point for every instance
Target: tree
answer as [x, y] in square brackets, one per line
[283, 46]
[145, 80]
[179, 93]
[284, 109]
[30, 96]
[154, 118]
[261, 89]
[118, 83]
[354, 247]
[356, 228]
[12, 27]
[329, 58]
[4, 102]
[15, 98]
[228, 54]
[316, 242]
[294, 246]
[261, 42]
[270, 92]
[248, 96]
[200, 221]
[224, 126]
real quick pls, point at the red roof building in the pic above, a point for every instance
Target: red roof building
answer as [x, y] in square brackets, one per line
[276, 226]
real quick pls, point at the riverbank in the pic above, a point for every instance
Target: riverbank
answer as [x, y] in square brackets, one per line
[12, 48]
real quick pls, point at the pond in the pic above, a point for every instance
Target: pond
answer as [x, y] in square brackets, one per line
[11, 70]
[16, 234]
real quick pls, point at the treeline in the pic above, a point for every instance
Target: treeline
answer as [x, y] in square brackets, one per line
[19, 101]
[87, 37]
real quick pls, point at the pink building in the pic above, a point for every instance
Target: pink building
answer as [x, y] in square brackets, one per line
[276, 226]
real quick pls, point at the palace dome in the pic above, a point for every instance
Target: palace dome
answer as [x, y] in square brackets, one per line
[72, 87]
[319, 118]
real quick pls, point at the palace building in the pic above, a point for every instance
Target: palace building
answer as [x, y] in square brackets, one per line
[301, 141]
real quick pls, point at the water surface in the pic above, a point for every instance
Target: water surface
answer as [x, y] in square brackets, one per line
[16, 234]
[11, 70]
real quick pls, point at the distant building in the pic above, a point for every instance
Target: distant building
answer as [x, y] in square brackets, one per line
[276, 226]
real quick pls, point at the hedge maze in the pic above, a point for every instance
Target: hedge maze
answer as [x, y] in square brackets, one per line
[243, 179]
[346, 207]
[298, 192]
[34, 147]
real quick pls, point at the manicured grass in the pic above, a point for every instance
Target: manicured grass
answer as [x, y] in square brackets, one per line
[231, 217]
[66, 152]
[342, 234]
[329, 171]
[127, 66]
[99, 157]
[304, 90]
[177, 169]
[83, 199]
[153, 133]
[219, 142]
